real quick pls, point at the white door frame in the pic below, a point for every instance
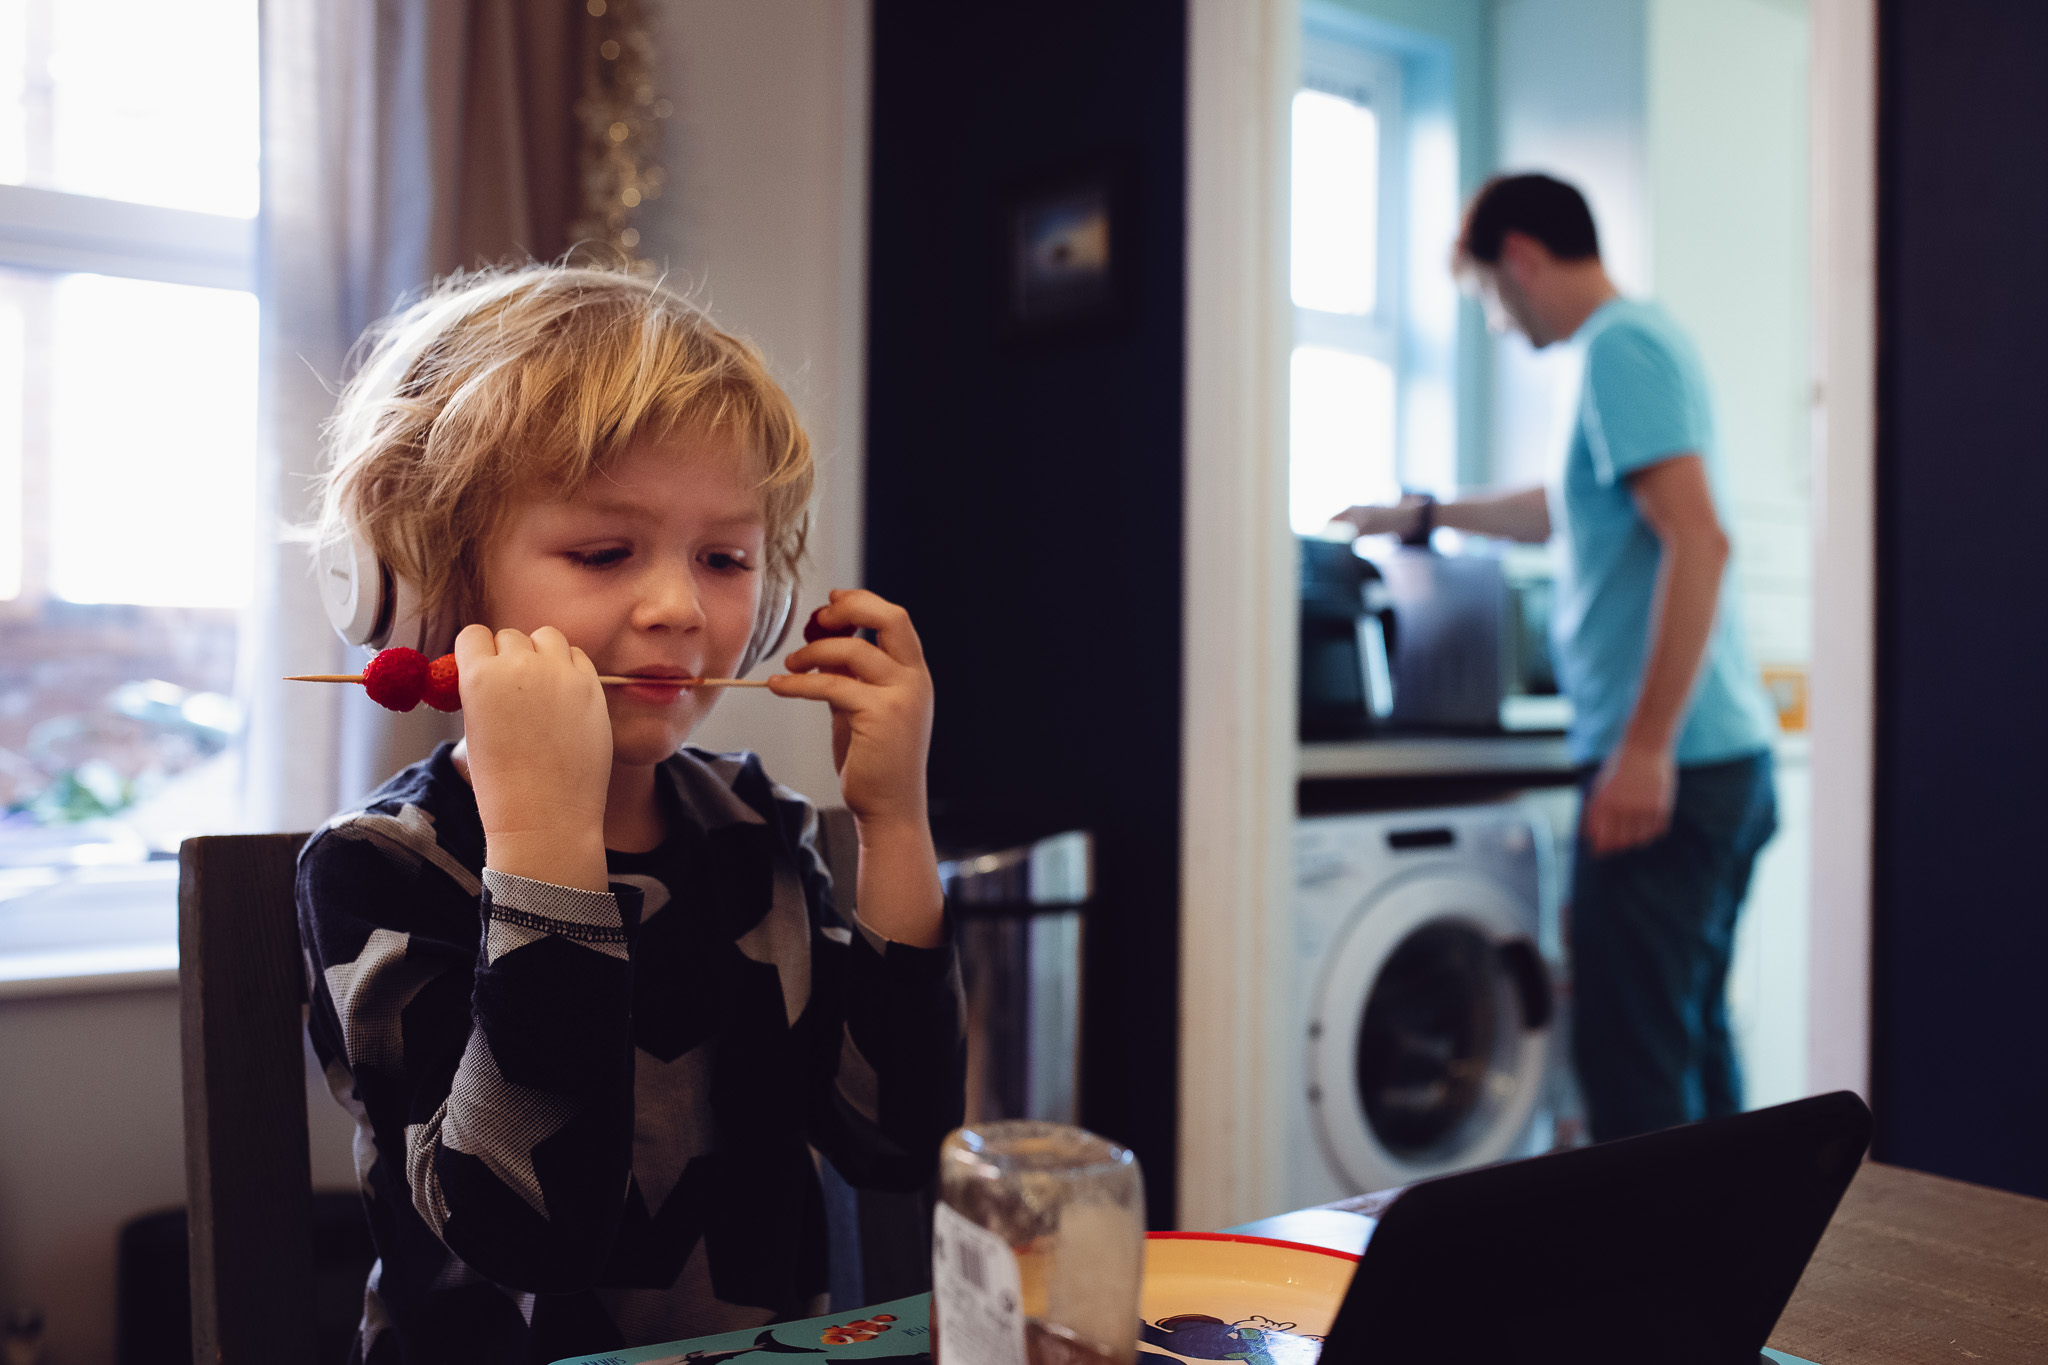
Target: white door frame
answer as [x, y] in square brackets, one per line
[1844, 509]
[1238, 751]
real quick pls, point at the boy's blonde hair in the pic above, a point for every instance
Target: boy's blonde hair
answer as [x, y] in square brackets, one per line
[501, 381]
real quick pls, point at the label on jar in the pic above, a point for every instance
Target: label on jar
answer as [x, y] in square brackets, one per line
[977, 1293]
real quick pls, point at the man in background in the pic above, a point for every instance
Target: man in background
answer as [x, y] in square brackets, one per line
[1671, 728]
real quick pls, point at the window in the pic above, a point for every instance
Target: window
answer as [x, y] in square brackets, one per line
[1346, 283]
[128, 187]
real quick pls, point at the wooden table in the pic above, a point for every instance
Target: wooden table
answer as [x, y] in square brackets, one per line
[1914, 1270]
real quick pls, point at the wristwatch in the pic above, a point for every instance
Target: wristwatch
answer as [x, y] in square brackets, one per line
[1425, 522]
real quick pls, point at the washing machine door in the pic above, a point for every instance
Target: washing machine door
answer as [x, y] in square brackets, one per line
[1429, 1032]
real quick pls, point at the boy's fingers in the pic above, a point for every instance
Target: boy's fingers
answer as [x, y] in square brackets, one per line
[474, 642]
[827, 687]
[857, 657]
[513, 642]
[551, 643]
[889, 622]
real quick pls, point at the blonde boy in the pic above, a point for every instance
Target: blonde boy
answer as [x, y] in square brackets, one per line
[582, 987]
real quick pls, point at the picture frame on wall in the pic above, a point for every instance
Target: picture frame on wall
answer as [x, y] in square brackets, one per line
[1067, 243]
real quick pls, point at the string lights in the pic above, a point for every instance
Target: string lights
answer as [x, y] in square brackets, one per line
[622, 116]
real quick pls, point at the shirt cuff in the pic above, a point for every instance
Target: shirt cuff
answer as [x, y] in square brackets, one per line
[520, 910]
[935, 959]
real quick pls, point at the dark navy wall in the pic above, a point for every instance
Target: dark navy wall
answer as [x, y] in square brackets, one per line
[1024, 498]
[1960, 1075]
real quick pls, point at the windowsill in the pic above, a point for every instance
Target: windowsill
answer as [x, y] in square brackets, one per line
[89, 971]
[84, 930]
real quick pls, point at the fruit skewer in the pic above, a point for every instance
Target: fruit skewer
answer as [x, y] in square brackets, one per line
[399, 679]
[606, 679]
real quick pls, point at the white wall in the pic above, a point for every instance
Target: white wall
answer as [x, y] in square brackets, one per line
[1729, 248]
[1569, 95]
[765, 216]
[92, 1134]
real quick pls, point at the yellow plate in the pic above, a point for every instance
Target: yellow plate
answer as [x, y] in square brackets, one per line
[1213, 1296]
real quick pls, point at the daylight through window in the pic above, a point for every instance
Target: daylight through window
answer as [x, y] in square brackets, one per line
[128, 185]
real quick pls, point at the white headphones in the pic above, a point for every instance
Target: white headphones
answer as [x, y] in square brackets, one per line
[367, 603]
[371, 606]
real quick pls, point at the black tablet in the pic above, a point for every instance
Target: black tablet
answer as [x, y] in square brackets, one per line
[1681, 1246]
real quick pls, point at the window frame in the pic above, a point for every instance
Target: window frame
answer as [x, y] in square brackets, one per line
[55, 232]
[64, 233]
[1372, 79]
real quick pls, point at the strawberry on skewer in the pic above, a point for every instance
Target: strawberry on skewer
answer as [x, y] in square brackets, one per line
[396, 678]
[443, 691]
[816, 630]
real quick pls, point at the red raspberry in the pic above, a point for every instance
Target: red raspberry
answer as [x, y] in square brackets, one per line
[816, 630]
[395, 678]
[443, 691]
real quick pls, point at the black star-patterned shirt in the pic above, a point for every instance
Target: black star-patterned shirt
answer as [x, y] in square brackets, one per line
[584, 1121]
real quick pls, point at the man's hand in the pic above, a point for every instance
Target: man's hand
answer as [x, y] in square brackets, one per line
[539, 740]
[881, 699]
[1400, 520]
[1514, 514]
[1632, 799]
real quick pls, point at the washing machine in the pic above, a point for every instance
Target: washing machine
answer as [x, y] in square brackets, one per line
[1422, 1007]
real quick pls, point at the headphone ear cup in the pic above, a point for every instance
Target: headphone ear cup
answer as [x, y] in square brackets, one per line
[404, 623]
[367, 603]
[355, 588]
[771, 624]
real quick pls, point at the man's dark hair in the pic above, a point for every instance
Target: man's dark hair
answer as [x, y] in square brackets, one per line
[1549, 210]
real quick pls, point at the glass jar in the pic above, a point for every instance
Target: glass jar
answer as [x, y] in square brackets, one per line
[1038, 1247]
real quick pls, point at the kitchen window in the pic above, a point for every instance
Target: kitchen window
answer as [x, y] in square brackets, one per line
[129, 145]
[1346, 285]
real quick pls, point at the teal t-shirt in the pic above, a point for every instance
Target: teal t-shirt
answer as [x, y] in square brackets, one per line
[1644, 399]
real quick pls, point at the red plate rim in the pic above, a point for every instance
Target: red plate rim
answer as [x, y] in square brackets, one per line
[1255, 1241]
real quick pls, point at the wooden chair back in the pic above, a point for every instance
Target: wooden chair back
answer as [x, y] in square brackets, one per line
[248, 1176]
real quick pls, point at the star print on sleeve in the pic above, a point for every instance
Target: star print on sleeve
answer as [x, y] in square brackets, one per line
[490, 1118]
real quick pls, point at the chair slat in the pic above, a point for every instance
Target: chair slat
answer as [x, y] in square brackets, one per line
[248, 1177]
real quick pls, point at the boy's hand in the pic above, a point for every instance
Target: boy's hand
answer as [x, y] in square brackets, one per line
[540, 753]
[881, 698]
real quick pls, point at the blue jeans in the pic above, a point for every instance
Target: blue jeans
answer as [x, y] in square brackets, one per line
[1651, 930]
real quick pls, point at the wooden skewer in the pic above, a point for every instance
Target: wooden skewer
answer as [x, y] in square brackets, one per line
[606, 680]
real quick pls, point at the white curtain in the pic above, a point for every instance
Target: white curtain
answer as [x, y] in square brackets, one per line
[402, 139]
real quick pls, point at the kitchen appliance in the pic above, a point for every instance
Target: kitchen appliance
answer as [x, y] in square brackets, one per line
[1017, 915]
[1452, 612]
[1346, 682]
[1420, 1010]
[1473, 650]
